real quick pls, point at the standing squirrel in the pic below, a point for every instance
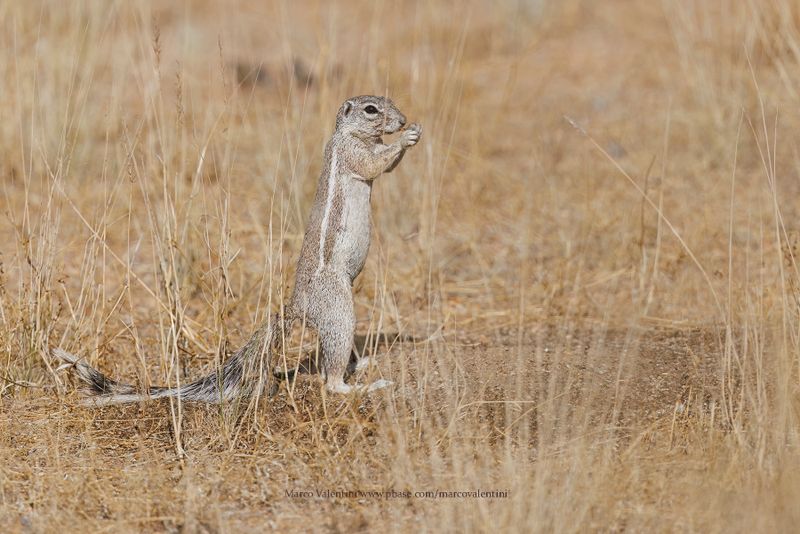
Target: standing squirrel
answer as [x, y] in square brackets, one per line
[334, 250]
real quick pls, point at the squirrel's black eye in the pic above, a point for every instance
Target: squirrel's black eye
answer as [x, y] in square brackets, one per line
[371, 110]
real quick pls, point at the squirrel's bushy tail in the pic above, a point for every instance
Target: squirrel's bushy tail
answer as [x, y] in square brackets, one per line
[241, 375]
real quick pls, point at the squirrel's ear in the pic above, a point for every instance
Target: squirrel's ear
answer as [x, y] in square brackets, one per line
[347, 108]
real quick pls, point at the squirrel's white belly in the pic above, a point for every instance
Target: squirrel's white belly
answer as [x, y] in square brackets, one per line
[352, 240]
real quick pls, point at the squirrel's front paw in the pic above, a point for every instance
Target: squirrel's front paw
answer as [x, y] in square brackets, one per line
[411, 135]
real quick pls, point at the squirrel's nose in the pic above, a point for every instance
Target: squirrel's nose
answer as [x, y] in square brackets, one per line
[402, 121]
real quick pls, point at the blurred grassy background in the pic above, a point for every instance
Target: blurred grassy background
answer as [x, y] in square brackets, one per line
[595, 245]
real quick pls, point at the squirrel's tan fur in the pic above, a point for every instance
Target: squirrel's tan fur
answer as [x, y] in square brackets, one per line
[334, 250]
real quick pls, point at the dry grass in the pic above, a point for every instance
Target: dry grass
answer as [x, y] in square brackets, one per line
[606, 306]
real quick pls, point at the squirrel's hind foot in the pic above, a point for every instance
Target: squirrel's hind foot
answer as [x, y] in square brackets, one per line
[342, 388]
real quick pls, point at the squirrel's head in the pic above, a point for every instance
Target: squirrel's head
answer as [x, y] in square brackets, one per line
[369, 116]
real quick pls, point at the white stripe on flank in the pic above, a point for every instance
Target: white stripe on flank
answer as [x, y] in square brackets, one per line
[326, 215]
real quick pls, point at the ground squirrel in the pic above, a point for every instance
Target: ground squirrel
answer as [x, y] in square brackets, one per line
[334, 250]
